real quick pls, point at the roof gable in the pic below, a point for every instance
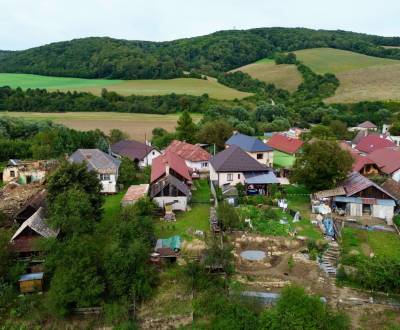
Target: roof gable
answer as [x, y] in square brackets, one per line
[234, 159]
[367, 124]
[187, 151]
[248, 143]
[176, 163]
[285, 144]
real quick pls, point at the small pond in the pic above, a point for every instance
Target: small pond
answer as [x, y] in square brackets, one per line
[253, 255]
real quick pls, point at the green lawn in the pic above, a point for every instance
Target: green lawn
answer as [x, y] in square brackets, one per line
[366, 242]
[188, 86]
[282, 159]
[188, 222]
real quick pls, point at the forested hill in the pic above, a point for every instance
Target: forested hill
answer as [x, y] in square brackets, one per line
[4, 53]
[210, 54]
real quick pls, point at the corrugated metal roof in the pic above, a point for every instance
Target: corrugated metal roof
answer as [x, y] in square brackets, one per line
[260, 178]
[97, 160]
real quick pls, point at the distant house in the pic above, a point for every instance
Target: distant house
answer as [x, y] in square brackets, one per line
[286, 149]
[106, 166]
[170, 181]
[359, 196]
[253, 146]
[372, 142]
[388, 161]
[140, 153]
[26, 172]
[367, 125]
[234, 165]
[24, 241]
[196, 158]
[135, 193]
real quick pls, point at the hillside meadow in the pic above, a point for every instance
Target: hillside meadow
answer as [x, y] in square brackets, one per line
[284, 76]
[137, 125]
[189, 86]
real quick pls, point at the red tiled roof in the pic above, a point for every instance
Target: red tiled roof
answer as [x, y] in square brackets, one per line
[371, 143]
[360, 162]
[367, 124]
[175, 163]
[388, 159]
[189, 151]
[136, 192]
[355, 183]
[285, 144]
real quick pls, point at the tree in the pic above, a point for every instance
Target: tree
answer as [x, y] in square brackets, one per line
[186, 129]
[117, 135]
[72, 212]
[216, 132]
[339, 129]
[219, 255]
[162, 138]
[321, 132]
[227, 217]
[76, 175]
[395, 128]
[322, 165]
[296, 310]
[127, 172]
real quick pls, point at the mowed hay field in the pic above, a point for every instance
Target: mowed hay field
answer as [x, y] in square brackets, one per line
[283, 76]
[362, 77]
[137, 125]
[189, 86]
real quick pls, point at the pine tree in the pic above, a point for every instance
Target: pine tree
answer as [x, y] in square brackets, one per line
[186, 129]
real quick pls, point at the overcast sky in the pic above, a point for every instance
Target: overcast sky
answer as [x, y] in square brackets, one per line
[29, 23]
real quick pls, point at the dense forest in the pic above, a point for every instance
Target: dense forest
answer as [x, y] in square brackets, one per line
[211, 54]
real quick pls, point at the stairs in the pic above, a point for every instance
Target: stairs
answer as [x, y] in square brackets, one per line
[329, 260]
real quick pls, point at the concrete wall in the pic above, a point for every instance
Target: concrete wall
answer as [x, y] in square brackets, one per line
[181, 202]
[383, 212]
[21, 176]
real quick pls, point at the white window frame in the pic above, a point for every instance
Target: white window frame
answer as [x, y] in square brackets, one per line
[229, 177]
[105, 177]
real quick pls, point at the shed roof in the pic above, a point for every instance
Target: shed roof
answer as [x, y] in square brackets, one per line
[131, 149]
[234, 159]
[97, 160]
[285, 144]
[38, 224]
[190, 152]
[173, 242]
[248, 143]
[261, 178]
[393, 187]
[31, 276]
[136, 192]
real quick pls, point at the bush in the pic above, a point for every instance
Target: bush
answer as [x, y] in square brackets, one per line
[396, 220]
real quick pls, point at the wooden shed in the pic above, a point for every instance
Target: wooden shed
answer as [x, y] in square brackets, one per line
[29, 283]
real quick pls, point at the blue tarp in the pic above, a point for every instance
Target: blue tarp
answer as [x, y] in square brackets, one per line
[328, 224]
[32, 276]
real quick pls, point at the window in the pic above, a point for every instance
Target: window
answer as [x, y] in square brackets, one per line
[104, 177]
[204, 164]
[153, 153]
[12, 174]
[260, 156]
[239, 176]
[230, 177]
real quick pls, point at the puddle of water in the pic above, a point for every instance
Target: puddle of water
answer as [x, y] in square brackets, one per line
[253, 255]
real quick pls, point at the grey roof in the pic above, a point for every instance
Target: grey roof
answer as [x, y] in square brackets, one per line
[97, 160]
[131, 149]
[38, 224]
[248, 143]
[260, 178]
[234, 159]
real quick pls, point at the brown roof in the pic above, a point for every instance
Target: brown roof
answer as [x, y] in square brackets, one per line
[136, 192]
[175, 162]
[355, 183]
[373, 142]
[367, 124]
[189, 151]
[388, 159]
[393, 187]
[131, 149]
[234, 159]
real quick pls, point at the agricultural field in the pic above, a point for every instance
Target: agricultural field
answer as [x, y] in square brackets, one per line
[283, 76]
[137, 125]
[361, 77]
[188, 86]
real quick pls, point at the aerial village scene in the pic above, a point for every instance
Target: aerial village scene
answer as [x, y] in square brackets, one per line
[199, 165]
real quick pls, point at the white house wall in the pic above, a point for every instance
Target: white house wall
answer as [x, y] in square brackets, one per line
[148, 159]
[268, 157]
[396, 176]
[109, 186]
[383, 212]
[198, 166]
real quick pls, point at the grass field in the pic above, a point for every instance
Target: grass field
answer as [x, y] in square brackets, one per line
[283, 76]
[137, 125]
[188, 86]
